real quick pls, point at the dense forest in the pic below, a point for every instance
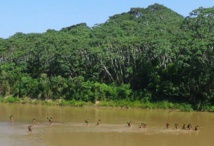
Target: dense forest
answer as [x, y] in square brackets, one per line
[147, 54]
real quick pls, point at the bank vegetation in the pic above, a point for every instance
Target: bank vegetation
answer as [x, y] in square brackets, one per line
[147, 57]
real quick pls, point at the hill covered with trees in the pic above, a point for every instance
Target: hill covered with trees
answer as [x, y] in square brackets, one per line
[147, 54]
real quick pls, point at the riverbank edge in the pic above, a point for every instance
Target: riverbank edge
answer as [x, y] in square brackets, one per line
[106, 104]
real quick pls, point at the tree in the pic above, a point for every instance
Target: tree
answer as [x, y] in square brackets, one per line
[195, 59]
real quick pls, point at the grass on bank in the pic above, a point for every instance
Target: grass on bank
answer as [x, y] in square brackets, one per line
[118, 104]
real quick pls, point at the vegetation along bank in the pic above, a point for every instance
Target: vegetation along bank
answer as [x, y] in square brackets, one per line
[148, 56]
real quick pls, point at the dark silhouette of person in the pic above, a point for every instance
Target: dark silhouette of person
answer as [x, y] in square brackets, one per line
[167, 125]
[176, 126]
[11, 118]
[87, 121]
[184, 127]
[143, 125]
[196, 128]
[30, 128]
[189, 126]
[50, 120]
[98, 122]
[129, 124]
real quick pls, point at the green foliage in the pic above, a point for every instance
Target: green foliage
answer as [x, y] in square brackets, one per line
[75, 103]
[148, 57]
[10, 100]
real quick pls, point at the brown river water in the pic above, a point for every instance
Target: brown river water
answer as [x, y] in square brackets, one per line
[68, 127]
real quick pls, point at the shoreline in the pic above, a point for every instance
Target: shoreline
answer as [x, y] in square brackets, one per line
[123, 104]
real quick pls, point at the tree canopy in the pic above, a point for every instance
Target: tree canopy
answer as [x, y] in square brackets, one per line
[151, 53]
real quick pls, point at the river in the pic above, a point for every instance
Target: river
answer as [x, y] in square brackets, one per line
[69, 128]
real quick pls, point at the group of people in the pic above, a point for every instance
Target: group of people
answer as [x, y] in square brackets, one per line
[142, 125]
[129, 124]
[97, 124]
[33, 122]
[184, 127]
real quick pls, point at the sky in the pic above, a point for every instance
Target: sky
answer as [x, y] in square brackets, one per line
[37, 16]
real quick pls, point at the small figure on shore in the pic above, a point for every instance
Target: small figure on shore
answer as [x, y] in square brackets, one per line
[196, 128]
[98, 122]
[87, 121]
[189, 126]
[50, 120]
[11, 118]
[129, 124]
[167, 125]
[30, 128]
[34, 121]
[143, 125]
[176, 126]
[184, 127]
